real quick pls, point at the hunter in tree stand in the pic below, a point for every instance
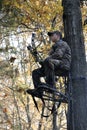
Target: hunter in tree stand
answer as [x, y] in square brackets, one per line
[56, 64]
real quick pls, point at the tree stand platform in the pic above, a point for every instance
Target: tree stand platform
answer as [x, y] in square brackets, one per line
[47, 93]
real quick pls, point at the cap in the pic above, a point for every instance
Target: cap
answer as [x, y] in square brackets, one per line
[55, 32]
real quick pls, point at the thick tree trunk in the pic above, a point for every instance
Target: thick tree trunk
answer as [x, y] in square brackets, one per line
[74, 36]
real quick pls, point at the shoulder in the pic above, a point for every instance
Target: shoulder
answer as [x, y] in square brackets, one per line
[65, 44]
[62, 43]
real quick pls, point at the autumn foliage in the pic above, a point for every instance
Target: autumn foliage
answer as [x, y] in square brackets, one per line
[18, 19]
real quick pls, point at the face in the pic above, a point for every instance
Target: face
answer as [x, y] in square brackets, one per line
[54, 38]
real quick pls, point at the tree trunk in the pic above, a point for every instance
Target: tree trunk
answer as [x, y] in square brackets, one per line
[74, 36]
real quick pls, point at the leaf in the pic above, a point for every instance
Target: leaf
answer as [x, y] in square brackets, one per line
[5, 95]
[12, 59]
[8, 121]
[5, 110]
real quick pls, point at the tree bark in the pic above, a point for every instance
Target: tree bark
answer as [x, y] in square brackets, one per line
[74, 36]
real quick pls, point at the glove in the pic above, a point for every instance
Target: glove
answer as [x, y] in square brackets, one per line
[40, 62]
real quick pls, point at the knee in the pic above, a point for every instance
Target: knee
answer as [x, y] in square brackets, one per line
[48, 63]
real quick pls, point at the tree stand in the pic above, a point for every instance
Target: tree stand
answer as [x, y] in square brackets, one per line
[52, 95]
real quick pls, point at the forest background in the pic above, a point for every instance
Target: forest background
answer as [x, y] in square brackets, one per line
[18, 20]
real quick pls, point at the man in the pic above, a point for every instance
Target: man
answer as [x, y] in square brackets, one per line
[57, 63]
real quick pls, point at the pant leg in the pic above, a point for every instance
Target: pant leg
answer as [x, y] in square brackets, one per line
[36, 75]
[50, 67]
[49, 72]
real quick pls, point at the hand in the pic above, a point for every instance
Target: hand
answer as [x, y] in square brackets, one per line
[40, 62]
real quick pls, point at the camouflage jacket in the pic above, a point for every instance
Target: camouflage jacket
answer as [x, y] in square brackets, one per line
[61, 51]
